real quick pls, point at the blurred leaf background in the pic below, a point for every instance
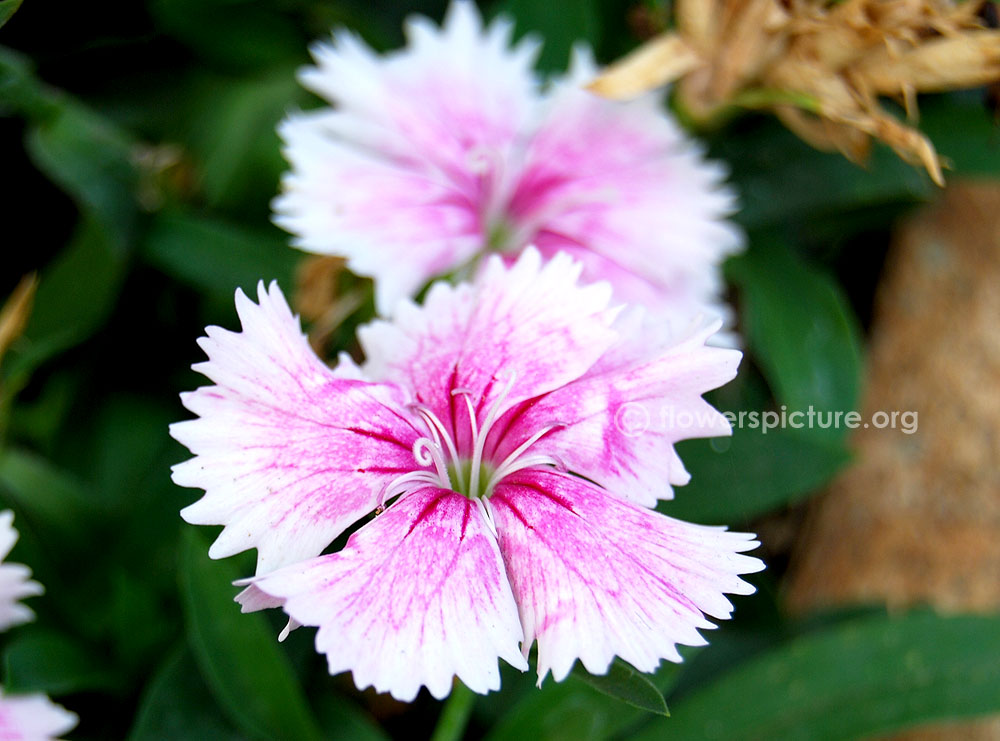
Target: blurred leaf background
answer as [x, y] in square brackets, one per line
[139, 156]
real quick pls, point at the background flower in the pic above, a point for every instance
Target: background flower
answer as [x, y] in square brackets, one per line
[448, 149]
[31, 717]
[15, 579]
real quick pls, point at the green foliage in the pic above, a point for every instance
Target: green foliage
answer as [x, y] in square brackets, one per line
[734, 480]
[861, 679]
[177, 704]
[215, 256]
[586, 707]
[624, 683]
[238, 654]
[41, 660]
[7, 9]
[801, 330]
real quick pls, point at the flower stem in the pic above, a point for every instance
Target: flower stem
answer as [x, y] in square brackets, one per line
[455, 714]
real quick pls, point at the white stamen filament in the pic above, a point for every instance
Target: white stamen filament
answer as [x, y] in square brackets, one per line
[479, 439]
[434, 425]
[436, 450]
[426, 452]
[514, 461]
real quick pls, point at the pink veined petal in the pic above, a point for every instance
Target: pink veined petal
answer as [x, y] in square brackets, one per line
[621, 180]
[597, 577]
[33, 718]
[289, 453]
[417, 597]
[402, 177]
[394, 219]
[620, 421]
[530, 326]
[15, 579]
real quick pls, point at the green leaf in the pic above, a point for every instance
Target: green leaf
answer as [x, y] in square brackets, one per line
[624, 683]
[560, 24]
[239, 655]
[736, 479]
[575, 710]
[21, 92]
[865, 678]
[964, 131]
[177, 704]
[76, 295]
[235, 139]
[802, 332]
[782, 180]
[349, 720]
[46, 661]
[91, 159]
[216, 257]
[88, 157]
[7, 9]
[51, 499]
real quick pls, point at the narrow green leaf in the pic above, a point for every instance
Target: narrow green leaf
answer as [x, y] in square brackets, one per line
[51, 499]
[7, 9]
[21, 91]
[239, 656]
[864, 678]
[216, 256]
[46, 661]
[177, 704]
[91, 159]
[802, 333]
[574, 710]
[76, 295]
[735, 479]
[343, 716]
[233, 136]
[624, 683]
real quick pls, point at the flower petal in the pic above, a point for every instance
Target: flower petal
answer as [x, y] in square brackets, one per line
[399, 177]
[621, 420]
[597, 577]
[417, 597]
[33, 717]
[529, 325]
[289, 453]
[621, 180]
[15, 579]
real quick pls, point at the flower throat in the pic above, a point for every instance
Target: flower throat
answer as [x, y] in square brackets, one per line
[471, 476]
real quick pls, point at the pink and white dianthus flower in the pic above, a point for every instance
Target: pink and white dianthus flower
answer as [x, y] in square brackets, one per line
[512, 507]
[23, 717]
[15, 579]
[432, 156]
[33, 718]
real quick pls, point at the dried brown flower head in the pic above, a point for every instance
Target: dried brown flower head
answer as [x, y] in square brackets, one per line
[819, 65]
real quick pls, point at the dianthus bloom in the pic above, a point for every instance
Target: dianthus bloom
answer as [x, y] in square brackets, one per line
[23, 717]
[33, 718]
[510, 506]
[15, 579]
[450, 148]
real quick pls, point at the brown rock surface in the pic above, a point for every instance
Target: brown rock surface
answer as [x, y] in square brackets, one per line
[916, 519]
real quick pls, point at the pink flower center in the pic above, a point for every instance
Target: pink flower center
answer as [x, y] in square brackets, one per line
[471, 476]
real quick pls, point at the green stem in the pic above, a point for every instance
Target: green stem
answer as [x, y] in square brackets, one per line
[455, 714]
